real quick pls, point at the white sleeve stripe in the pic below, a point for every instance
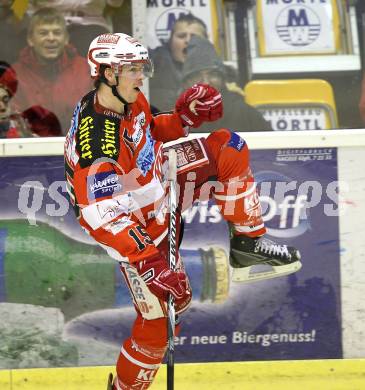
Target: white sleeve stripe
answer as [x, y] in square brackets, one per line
[100, 213]
[247, 229]
[167, 113]
[234, 197]
[137, 362]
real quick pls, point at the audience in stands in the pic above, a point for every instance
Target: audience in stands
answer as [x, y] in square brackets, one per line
[169, 59]
[202, 64]
[85, 19]
[51, 73]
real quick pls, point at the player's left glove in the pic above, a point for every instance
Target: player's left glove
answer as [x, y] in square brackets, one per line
[162, 281]
[198, 104]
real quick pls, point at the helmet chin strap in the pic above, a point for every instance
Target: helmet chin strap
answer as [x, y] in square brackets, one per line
[117, 94]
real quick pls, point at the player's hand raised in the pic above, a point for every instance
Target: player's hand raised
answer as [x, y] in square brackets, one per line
[198, 104]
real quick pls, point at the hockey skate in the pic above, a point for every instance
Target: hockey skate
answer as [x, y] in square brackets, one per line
[249, 253]
[110, 382]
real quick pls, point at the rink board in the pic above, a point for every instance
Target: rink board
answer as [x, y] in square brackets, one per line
[350, 145]
[308, 375]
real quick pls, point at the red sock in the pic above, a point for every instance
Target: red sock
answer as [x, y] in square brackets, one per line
[142, 354]
[135, 370]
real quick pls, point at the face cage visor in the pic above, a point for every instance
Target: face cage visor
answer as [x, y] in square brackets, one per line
[134, 69]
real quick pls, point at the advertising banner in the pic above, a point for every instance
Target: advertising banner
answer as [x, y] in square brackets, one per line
[292, 27]
[296, 118]
[63, 302]
[162, 15]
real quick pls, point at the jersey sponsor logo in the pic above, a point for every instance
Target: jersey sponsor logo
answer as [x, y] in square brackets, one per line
[109, 141]
[70, 144]
[97, 134]
[139, 122]
[146, 375]
[252, 204]
[103, 184]
[107, 112]
[110, 210]
[108, 38]
[132, 141]
[189, 152]
[84, 136]
[137, 289]
[128, 140]
[118, 226]
[236, 142]
[135, 283]
[146, 156]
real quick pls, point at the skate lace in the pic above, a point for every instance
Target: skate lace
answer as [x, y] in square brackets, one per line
[270, 248]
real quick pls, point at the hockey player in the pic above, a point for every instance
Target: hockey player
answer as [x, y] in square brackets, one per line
[115, 170]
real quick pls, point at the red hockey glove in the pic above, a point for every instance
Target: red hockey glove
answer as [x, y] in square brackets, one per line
[198, 104]
[161, 280]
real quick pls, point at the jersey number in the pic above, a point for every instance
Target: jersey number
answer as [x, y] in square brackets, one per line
[140, 236]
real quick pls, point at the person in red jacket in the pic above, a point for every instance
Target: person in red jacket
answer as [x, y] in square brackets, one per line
[116, 170]
[51, 73]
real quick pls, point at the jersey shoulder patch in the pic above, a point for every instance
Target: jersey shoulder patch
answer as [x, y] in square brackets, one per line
[236, 142]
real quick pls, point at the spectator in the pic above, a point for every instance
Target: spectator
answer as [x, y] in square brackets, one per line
[169, 58]
[42, 122]
[12, 125]
[121, 17]
[50, 72]
[85, 19]
[13, 32]
[362, 101]
[202, 64]
[34, 121]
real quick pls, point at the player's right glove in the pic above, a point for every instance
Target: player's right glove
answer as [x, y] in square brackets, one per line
[161, 280]
[198, 104]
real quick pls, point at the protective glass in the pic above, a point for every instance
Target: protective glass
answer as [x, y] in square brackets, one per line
[205, 76]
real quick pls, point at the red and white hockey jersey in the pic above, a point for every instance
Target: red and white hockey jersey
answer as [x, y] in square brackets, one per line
[113, 170]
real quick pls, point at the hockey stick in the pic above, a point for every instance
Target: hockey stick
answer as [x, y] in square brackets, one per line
[172, 264]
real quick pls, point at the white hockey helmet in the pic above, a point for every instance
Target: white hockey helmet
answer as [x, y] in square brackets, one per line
[117, 50]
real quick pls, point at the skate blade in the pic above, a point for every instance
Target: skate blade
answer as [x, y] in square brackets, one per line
[243, 275]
